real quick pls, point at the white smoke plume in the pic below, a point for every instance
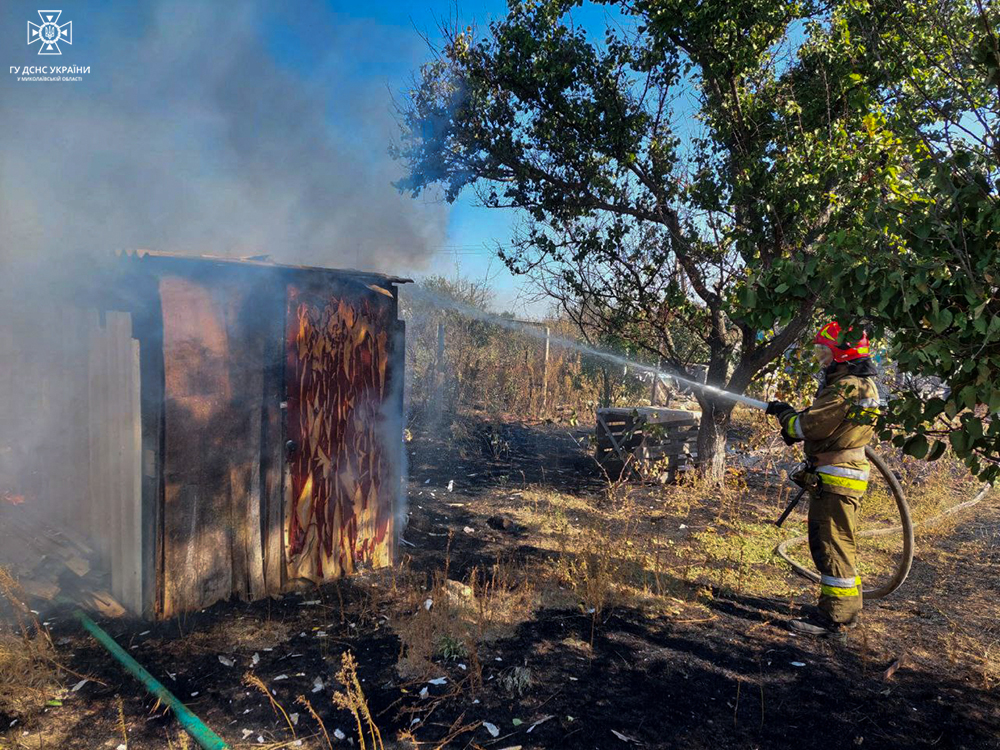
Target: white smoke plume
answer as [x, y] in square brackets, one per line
[190, 135]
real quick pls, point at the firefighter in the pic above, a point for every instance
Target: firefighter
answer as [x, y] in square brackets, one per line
[835, 428]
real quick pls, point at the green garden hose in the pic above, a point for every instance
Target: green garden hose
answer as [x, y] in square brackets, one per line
[194, 726]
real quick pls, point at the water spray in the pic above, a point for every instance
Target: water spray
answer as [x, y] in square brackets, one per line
[905, 527]
[472, 312]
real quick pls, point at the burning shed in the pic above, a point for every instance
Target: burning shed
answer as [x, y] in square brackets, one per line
[225, 428]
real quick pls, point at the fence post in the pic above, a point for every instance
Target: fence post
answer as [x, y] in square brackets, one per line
[545, 374]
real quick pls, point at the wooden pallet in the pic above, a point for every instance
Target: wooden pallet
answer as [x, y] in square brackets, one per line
[652, 444]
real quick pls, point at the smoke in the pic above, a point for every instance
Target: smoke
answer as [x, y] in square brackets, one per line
[231, 129]
[192, 134]
[391, 425]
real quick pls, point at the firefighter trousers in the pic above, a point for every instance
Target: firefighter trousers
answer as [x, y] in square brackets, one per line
[832, 526]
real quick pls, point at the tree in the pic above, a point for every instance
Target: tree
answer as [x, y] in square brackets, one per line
[687, 171]
[928, 255]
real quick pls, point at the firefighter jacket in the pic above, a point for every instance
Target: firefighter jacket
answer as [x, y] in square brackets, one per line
[836, 429]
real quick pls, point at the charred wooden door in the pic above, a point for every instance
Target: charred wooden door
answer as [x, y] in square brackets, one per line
[213, 353]
[343, 429]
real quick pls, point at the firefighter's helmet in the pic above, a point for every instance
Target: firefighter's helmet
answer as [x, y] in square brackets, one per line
[829, 335]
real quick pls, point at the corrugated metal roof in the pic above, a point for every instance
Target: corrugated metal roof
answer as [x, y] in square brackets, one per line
[264, 262]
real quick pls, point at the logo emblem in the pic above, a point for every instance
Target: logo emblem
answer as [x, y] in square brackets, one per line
[49, 32]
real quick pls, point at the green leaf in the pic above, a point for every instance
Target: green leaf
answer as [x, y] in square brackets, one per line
[942, 320]
[916, 446]
[937, 450]
[969, 396]
[994, 404]
[959, 442]
[933, 408]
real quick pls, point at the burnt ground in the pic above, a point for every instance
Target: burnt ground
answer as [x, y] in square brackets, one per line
[705, 665]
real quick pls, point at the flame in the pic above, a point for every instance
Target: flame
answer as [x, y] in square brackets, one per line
[11, 498]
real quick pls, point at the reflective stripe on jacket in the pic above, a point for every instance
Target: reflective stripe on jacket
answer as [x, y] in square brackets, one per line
[842, 416]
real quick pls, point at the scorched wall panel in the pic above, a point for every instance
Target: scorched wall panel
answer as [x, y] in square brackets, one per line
[342, 466]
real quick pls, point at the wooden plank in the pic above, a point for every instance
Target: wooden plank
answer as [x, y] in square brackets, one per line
[93, 425]
[620, 452]
[117, 388]
[77, 510]
[245, 361]
[102, 602]
[148, 327]
[44, 414]
[129, 590]
[76, 463]
[61, 384]
[397, 378]
[254, 542]
[238, 521]
[100, 449]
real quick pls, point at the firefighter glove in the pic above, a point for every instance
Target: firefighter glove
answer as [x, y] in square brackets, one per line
[778, 409]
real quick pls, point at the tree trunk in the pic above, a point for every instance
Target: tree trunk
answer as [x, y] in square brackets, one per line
[605, 388]
[715, 419]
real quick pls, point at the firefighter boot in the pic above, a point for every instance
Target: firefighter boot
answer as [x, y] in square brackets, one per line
[815, 623]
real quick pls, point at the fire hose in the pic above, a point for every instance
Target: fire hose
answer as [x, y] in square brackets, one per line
[906, 528]
[906, 521]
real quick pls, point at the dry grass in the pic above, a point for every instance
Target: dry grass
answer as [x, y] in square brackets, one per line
[352, 698]
[609, 551]
[450, 619]
[225, 636]
[303, 701]
[252, 680]
[28, 669]
[738, 556]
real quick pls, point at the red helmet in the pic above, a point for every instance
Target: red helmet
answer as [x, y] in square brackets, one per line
[828, 336]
